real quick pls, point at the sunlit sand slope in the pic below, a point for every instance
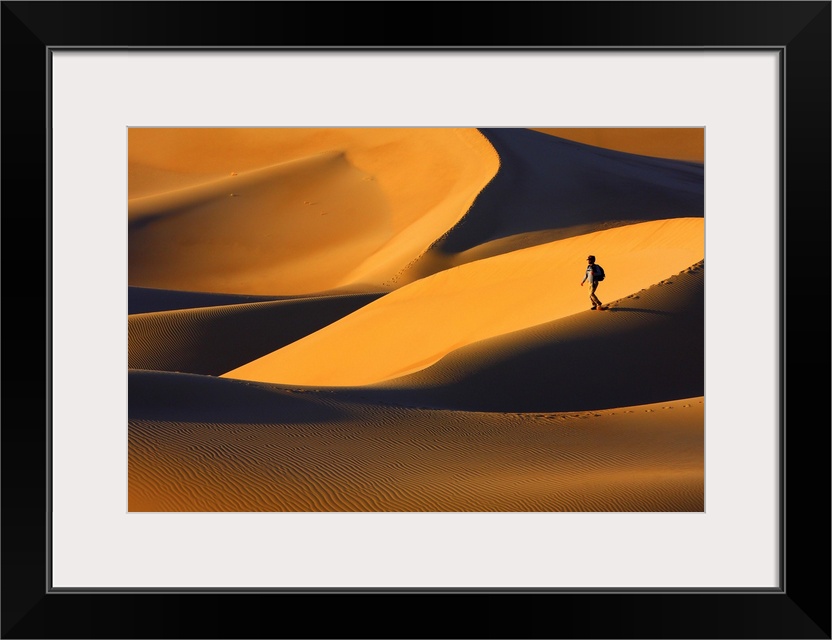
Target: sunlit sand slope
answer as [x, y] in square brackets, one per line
[413, 327]
[294, 211]
[674, 143]
[212, 340]
[649, 347]
[290, 451]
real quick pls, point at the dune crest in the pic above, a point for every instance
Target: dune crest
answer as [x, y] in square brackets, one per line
[547, 183]
[294, 211]
[413, 327]
[623, 352]
[210, 340]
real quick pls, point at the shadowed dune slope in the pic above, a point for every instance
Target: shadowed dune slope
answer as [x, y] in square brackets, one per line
[371, 458]
[548, 183]
[649, 347]
[413, 327]
[294, 211]
[190, 398]
[144, 300]
[674, 143]
[212, 340]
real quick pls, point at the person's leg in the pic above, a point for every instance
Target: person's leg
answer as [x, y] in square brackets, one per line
[592, 297]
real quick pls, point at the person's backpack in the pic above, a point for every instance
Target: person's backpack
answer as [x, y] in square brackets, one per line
[598, 272]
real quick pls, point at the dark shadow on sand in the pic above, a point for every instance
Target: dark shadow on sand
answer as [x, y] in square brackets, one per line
[189, 398]
[545, 182]
[148, 300]
[656, 312]
[213, 343]
[620, 357]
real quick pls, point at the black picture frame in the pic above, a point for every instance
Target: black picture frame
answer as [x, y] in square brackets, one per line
[799, 608]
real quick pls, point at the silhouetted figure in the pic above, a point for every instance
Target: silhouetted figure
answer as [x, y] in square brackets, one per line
[594, 274]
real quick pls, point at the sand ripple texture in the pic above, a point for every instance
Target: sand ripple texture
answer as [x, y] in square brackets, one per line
[372, 458]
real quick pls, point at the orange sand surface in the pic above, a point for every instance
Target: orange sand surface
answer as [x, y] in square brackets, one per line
[391, 320]
[319, 454]
[294, 211]
[479, 300]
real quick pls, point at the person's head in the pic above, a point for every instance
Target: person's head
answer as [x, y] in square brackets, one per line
[590, 259]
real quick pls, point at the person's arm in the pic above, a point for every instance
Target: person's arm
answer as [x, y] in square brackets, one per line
[586, 275]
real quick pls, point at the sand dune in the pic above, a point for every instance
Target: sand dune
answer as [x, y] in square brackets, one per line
[548, 183]
[479, 300]
[212, 340]
[148, 300]
[391, 320]
[647, 348]
[549, 188]
[323, 209]
[291, 451]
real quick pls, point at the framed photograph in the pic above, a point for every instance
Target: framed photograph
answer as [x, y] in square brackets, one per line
[295, 313]
[288, 327]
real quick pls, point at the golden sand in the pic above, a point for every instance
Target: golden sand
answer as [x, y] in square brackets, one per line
[368, 368]
[479, 300]
[294, 211]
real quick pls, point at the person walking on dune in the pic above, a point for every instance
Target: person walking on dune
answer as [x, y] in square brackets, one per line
[594, 274]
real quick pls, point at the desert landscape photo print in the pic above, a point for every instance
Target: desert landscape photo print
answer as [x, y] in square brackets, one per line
[411, 320]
